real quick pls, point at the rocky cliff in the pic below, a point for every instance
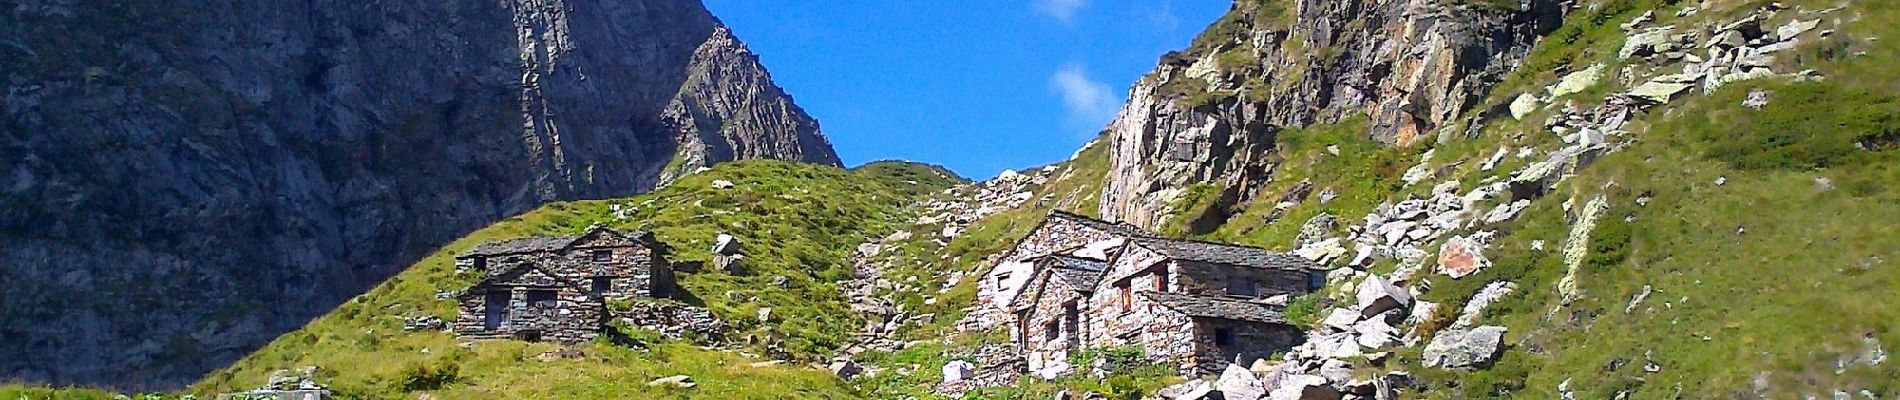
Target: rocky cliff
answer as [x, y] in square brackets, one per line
[182, 181]
[1208, 115]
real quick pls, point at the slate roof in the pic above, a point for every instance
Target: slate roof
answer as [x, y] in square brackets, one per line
[1225, 254]
[538, 244]
[1080, 273]
[1119, 228]
[522, 245]
[1218, 307]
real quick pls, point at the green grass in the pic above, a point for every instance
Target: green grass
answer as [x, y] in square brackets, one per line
[800, 223]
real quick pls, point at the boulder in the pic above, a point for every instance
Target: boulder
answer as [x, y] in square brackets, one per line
[1238, 383]
[1577, 81]
[678, 381]
[726, 245]
[730, 264]
[1341, 319]
[1795, 28]
[1654, 92]
[1376, 334]
[1459, 348]
[1645, 43]
[1305, 387]
[722, 184]
[1376, 295]
[1524, 105]
[1461, 257]
[845, 369]
[957, 371]
[1180, 390]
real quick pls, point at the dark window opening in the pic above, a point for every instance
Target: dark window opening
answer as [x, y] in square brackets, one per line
[1242, 287]
[602, 285]
[542, 299]
[1052, 330]
[603, 255]
[1223, 337]
[481, 263]
[531, 336]
[1161, 282]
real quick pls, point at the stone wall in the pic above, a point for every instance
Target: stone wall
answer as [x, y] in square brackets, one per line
[1201, 278]
[631, 268]
[1052, 299]
[1252, 340]
[1056, 234]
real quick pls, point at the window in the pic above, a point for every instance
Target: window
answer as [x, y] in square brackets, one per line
[1052, 330]
[602, 285]
[481, 263]
[603, 255]
[1242, 287]
[1161, 281]
[1223, 337]
[541, 299]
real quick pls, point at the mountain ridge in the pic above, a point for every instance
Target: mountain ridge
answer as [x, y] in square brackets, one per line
[248, 169]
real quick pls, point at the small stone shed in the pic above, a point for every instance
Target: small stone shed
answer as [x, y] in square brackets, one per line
[556, 288]
[1201, 304]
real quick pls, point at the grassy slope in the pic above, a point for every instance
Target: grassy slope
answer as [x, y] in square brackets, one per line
[1798, 291]
[799, 221]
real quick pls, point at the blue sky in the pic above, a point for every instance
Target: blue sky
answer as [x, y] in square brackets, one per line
[977, 86]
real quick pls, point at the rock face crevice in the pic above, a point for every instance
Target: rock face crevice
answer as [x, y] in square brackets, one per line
[181, 182]
[1210, 114]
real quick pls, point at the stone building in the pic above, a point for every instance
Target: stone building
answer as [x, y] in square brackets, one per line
[1200, 304]
[1060, 233]
[556, 288]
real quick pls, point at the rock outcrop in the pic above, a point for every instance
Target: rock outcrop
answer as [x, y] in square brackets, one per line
[1210, 114]
[240, 168]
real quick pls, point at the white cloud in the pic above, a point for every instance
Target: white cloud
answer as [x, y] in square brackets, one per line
[1090, 103]
[1061, 10]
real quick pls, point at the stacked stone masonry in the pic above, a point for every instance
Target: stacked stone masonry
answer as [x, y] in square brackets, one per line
[556, 288]
[1076, 283]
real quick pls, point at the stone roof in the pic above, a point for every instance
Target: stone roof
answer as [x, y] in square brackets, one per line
[538, 244]
[1080, 273]
[522, 245]
[1218, 307]
[1119, 228]
[1225, 254]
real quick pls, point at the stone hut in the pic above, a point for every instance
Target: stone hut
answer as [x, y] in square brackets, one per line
[1201, 304]
[1061, 233]
[556, 288]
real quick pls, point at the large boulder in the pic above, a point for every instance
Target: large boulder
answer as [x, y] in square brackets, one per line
[1461, 256]
[1341, 319]
[1304, 387]
[1476, 347]
[1238, 383]
[845, 369]
[957, 370]
[1377, 295]
[726, 245]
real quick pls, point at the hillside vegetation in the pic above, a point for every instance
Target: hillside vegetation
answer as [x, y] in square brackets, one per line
[799, 221]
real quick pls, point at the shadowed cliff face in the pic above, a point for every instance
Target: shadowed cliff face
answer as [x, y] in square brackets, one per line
[182, 181]
[1209, 114]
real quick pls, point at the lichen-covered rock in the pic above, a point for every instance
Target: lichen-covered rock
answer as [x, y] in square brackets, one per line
[1408, 67]
[1461, 348]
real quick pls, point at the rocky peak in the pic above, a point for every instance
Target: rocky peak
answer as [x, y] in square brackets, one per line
[241, 169]
[1209, 114]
